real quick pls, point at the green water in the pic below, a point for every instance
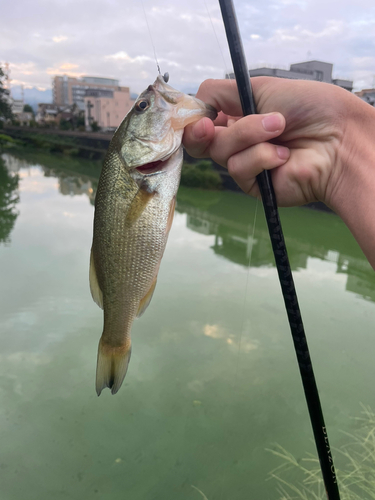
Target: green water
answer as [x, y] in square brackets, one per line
[213, 381]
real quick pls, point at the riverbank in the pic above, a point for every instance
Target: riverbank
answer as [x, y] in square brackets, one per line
[204, 174]
[94, 145]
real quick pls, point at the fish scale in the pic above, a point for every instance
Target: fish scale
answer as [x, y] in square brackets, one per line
[133, 215]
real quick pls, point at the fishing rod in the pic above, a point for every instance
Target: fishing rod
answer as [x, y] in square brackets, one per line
[282, 262]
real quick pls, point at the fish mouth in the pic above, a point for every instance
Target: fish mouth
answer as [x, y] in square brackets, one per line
[151, 168]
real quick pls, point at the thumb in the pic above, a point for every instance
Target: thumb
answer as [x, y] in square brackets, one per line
[198, 137]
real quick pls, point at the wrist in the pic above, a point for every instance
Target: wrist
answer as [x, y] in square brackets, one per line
[353, 194]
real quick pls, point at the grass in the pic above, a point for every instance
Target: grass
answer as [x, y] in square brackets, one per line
[356, 480]
[200, 175]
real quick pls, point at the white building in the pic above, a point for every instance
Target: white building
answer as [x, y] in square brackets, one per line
[310, 70]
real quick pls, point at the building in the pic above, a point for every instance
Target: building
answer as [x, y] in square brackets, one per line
[21, 116]
[107, 107]
[310, 70]
[367, 95]
[67, 90]
[46, 113]
[17, 106]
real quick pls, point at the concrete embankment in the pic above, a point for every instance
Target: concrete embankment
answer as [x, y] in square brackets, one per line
[87, 144]
[95, 144]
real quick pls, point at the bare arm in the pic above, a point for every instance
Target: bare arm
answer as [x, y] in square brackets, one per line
[317, 139]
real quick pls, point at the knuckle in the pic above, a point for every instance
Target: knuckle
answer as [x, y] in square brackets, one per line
[233, 166]
[242, 134]
[264, 154]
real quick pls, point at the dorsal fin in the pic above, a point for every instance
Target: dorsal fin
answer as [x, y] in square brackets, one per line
[96, 292]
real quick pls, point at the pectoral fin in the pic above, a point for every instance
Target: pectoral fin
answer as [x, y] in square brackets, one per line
[146, 299]
[138, 205]
[96, 292]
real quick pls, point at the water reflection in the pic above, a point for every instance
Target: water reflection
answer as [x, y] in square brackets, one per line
[213, 379]
[70, 182]
[9, 198]
[325, 237]
[226, 216]
[71, 185]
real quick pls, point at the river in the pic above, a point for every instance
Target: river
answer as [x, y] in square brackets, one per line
[213, 383]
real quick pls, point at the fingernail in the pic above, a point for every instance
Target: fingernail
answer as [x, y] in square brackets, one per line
[282, 152]
[272, 122]
[199, 129]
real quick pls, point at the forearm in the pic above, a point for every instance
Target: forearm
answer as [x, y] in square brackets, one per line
[353, 198]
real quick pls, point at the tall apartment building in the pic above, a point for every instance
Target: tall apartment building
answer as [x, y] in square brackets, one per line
[106, 107]
[309, 70]
[68, 90]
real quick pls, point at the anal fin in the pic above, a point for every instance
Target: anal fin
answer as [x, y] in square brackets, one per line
[96, 292]
[143, 304]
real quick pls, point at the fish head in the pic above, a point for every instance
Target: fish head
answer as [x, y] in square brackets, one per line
[152, 131]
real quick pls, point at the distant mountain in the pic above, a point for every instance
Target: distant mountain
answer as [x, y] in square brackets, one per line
[32, 96]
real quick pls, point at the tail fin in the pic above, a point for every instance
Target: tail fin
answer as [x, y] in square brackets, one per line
[112, 366]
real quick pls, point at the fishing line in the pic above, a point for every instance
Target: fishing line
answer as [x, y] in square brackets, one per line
[217, 38]
[256, 206]
[152, 41]
[246, 288]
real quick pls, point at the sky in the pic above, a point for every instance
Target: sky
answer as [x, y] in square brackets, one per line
[110, 38]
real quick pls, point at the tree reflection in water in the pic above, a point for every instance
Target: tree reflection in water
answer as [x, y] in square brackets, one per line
[8, 200]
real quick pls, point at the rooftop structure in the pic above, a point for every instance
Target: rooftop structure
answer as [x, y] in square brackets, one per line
[367, 95]
[68, 90]
[309, 70]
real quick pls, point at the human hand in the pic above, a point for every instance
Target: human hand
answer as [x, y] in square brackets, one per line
[327, 139]
[305, 122]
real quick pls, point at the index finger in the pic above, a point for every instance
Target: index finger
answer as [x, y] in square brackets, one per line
[222, 95]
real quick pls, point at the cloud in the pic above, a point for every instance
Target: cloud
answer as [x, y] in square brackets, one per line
[113, 38]
[64, 68]
[123, 56]
[58, 39]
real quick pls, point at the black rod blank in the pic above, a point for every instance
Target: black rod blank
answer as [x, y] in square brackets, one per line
[282, 262]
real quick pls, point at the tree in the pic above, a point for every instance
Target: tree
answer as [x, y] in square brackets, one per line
[8, 201]
[28, 109]
[5, 109]
[95, 127]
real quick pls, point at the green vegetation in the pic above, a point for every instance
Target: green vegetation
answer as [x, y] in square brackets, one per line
[5, 109]
[28, 109]
[58, 163]
[8, 201]
[200, 175]
[55, 143]
[8, 140]
[95, 127]
[356, 481]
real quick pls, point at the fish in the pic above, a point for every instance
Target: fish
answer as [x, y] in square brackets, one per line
[134, 209]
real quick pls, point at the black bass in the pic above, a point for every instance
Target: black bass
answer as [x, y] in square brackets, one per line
[134, 210]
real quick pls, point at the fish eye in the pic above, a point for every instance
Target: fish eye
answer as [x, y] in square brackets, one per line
[142, 105]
